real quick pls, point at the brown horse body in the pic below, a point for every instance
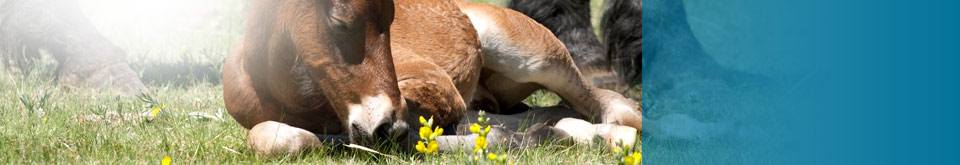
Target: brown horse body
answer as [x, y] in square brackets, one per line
[440, 74]
[301, 72]
[272, 78]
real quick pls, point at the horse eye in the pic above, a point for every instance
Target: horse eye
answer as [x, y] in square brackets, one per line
[340, 24]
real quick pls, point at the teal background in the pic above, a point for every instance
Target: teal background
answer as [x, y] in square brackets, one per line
[801, 82]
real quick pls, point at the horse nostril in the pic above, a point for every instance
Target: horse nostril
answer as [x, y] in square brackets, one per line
[383, 130]
[391, 131]
[356, 134]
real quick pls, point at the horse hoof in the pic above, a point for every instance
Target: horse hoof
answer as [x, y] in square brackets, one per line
[272, 138]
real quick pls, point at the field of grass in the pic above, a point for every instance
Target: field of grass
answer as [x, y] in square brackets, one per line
[41, 122]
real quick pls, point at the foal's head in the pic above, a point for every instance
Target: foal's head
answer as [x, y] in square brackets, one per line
[346, 46]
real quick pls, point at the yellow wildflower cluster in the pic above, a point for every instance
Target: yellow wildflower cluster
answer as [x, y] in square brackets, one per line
[480, 148]
[481, 128]
[634, 158]
[154, 106]
[630, 157]
[155, 110]
[427, 143]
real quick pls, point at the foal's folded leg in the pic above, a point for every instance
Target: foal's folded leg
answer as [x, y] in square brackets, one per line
[519, 49]
[427, 90]
[272, 138]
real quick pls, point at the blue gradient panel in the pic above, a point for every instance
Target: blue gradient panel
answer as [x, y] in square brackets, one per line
[801, 82]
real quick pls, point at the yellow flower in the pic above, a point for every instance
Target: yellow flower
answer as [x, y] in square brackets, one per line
[639, 157]
[428, 145]
[154, 112]
[420, 147]
[433, 147]
[480, 144]
[166, 160]
[425, 133]
[481, 128]
[475, 128]
[436, 132]
[429, 148]
[491, 156]
[633, 159]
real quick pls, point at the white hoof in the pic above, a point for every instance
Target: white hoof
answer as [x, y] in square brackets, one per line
[584, 132]
[617, 135]
[270, 138]
[580, 131]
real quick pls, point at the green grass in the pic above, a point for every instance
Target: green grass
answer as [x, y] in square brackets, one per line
[41, 122]
[57, 130]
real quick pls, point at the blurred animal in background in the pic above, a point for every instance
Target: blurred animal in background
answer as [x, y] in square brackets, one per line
[570, 21]
[86, 58]
[621, 27]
